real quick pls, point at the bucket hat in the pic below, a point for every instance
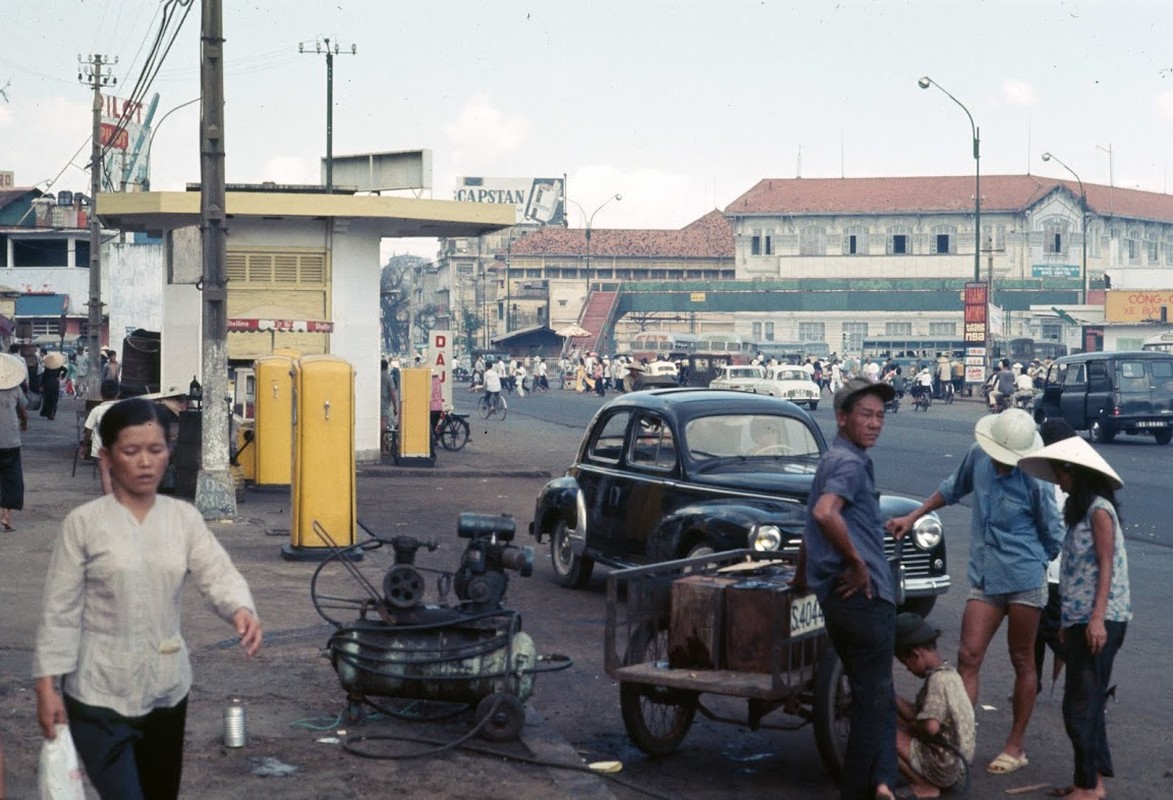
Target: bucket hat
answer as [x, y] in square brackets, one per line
[13, 371]
[1070, 451]
[860, 385]
[911, 630]
[1008, 436]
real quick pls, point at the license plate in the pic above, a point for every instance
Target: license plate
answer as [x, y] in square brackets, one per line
[806, 615]
[1153, 423]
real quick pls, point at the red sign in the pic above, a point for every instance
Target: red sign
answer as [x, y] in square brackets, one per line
[976, 313]
[113, 137]
[280, 325]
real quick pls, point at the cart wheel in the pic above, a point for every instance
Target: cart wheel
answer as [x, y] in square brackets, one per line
[657, 718]
[506, 717]
[832, 711]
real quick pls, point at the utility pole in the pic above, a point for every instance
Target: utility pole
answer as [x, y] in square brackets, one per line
[331, 50]
[91, 73]
[215, 495]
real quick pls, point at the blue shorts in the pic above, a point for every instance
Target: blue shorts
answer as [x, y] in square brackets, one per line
[1035, 598]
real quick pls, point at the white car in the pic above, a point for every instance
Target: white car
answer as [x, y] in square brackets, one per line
[790, 383]
[742, 378]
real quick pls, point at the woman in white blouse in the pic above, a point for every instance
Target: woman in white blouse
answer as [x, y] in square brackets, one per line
[110, 660]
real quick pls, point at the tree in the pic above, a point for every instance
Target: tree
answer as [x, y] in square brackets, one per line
[395, 286]
[471, 327]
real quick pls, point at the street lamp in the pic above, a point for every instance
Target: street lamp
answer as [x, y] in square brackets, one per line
[151, 141]
[1082, 222]
[924, 83]
[589, 222]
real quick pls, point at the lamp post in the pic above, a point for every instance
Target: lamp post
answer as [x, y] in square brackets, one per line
[924, 83]
[1082, 224]
[589, 222]
[151, 141]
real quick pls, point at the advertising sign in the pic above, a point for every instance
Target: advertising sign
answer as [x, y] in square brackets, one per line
[976, 310]
[1137, 306]
[538, 201]
[1054, 270]
[440, 359]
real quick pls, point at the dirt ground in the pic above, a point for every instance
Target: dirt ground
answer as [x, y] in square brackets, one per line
[295, 704]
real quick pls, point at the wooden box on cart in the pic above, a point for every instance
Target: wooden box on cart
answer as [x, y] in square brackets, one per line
[696, 624]
[763, 611]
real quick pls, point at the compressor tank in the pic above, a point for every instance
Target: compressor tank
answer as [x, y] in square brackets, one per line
[449, 662]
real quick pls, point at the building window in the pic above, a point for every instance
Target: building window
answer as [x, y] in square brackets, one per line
[1132, 250]
[898, 329]
[943, 240]
[899, 241]
[1051, 331]
[769, 331]
[994, 237]
[812, 332]
[769, 244]
[1151, 248]
[855, 241]
[757, 331]
[755, 243]
[812, 241]
[853, 335]
[1169, 252]
[942, 329]
[1054, 239]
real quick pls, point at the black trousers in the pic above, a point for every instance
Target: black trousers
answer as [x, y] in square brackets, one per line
[1084, 697]
[130, 758]
[11, 479]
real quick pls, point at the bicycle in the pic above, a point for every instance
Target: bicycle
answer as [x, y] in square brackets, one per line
[451, 431]
[496, 405]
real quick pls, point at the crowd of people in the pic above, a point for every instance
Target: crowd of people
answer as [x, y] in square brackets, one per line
[1038, 501]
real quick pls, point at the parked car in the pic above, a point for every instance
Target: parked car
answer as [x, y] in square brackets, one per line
[657, 373]
[740, 377]
[790, 383]
[670, 473]
[1110, 393]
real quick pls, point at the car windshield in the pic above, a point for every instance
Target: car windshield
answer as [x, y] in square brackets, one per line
[748, 436]
[792, 375]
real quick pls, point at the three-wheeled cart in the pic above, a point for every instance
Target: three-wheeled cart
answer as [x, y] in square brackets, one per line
[722, 624]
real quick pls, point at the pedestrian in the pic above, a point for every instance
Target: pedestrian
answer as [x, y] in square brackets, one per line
[1096, 600]
[435, 408]
[492, 385]
[935, 736]
[600, 378]
[91, 433]
[388, 397]
[51, 384]
[842, 559]
[14, 418]
[1015, 530]
[112, 371]
[110, 660]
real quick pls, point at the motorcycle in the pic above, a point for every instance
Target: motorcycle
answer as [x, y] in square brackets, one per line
[922, 398]
[1024, 400]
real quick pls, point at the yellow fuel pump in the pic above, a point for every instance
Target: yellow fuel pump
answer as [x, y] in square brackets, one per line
[415, 425]
[273, 442]
[323, 487]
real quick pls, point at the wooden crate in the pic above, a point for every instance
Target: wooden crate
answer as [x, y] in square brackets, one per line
[695, 623]
[757, 610]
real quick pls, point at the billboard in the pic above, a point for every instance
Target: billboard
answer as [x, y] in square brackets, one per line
[1137, 306]
[538, 201]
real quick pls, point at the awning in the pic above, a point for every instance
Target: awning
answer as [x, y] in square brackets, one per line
[41, 305]
[280, 325]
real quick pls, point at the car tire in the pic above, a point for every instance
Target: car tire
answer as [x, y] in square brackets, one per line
[1163, 436]
[921, 606]
[1100, 432]
[574, 572]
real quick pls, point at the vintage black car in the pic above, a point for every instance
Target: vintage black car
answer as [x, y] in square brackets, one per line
[670, 473]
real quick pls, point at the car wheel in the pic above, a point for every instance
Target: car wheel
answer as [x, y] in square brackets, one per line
[574, 572]
[1163, 436]
[1100, 432]
[813, 405]
[921, 606]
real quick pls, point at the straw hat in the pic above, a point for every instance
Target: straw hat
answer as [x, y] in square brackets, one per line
[1070, 451]
[1008, 436]
[13, 371]
[54, 360]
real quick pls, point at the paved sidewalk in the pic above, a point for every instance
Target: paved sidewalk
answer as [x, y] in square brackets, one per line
[294, 699]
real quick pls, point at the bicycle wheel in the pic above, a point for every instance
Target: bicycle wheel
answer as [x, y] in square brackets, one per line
[484, 408]
[502, 408]
[453, 434]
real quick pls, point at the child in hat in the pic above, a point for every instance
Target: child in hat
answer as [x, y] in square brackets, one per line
[935, 737]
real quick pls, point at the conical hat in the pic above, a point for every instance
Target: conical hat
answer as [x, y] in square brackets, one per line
[1072, 451]
[13, 371]
[54, 360]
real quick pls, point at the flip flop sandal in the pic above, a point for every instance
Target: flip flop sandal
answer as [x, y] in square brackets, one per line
[1005, 763]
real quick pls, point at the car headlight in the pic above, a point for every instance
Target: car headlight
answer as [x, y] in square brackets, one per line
[765, 537]
[927, 533]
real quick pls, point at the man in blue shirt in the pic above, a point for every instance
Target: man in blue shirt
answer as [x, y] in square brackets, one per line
[1015, 530]
[842, 560]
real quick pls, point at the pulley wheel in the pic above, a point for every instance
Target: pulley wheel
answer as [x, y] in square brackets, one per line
[403, 586]
[506, 717]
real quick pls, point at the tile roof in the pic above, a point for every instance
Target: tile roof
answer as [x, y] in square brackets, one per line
[711, 236]
[937, 194]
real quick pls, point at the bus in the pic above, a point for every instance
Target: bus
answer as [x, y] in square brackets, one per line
[665, 345]
[909, 347]
[713, 351]
[1023, 350]
[792, 352]
[1162, 342]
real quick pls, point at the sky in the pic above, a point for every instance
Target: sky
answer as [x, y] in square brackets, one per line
[679, 106]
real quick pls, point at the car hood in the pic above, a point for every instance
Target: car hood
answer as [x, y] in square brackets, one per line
[791, 479]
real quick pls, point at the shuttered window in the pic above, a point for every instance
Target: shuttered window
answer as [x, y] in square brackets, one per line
[277, 268]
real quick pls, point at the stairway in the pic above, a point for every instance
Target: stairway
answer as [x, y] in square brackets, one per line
[597, 318]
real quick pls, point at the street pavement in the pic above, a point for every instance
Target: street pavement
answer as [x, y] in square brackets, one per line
[294, 701]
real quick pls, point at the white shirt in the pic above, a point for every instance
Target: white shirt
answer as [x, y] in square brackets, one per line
[492, 381]
[110, 618]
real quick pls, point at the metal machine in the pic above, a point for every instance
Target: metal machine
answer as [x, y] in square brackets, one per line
[469, 650]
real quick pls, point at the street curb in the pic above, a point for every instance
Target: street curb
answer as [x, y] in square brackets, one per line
[546, 745]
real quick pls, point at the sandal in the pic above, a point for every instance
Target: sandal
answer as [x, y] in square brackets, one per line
[1005, 763]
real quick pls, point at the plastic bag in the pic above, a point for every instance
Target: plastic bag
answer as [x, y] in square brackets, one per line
[59, 772]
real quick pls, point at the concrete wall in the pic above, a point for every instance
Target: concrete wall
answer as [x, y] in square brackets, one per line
[139, 273]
